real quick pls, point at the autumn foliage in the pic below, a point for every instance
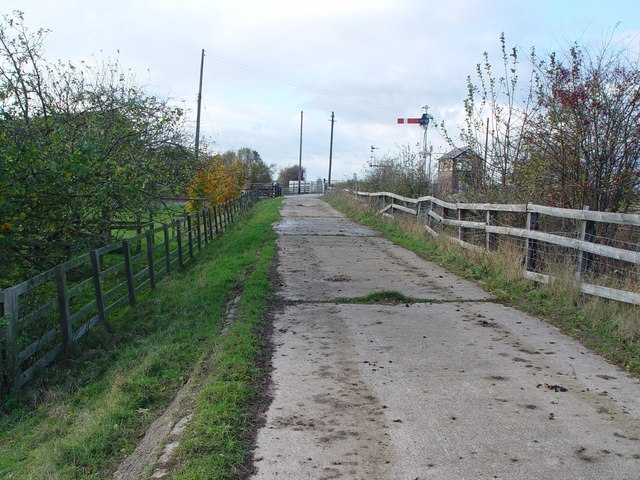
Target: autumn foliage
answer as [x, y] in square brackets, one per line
[82, 148]
[568, 137]
[219, 181]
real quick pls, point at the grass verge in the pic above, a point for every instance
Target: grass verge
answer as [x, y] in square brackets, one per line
[610, 328]
[89, 414]
[217, 439]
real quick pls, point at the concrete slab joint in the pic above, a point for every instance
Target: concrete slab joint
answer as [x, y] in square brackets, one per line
[457, 387]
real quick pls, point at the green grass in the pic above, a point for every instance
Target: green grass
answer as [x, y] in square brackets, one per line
[610, 328]
[387, 297]
[89, 413]
[216, 441]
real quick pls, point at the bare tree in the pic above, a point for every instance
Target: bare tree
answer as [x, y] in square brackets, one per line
[584, 142]
[497, 113]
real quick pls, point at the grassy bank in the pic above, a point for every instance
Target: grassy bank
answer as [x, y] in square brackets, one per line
[88, 416]
[610, 328]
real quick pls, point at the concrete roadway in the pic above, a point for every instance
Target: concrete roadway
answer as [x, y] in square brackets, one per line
[461, 387]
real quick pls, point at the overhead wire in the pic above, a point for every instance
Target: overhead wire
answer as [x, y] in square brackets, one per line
[303, 86]
[213, 132]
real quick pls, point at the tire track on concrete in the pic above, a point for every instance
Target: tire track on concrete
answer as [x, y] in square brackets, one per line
[461, 387]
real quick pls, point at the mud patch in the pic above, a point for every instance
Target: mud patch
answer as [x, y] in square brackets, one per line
[552, 387]
[338, 278]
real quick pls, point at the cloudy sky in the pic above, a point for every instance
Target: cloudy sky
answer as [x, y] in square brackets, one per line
[369, 61]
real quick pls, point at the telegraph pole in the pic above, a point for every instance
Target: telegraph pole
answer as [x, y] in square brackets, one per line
[300, 160]
[331, 148]
[199, 105]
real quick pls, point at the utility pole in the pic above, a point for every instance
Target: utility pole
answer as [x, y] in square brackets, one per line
[300, 160]
[331, 148]
[486, 150]
[199, 105]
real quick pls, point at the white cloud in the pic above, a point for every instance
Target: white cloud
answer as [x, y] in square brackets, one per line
[370, 61]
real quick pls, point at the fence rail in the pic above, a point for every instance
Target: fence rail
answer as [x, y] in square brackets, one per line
[44, 316]
[575, 233]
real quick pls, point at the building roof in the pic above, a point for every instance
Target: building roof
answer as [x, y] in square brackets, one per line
[458, 152]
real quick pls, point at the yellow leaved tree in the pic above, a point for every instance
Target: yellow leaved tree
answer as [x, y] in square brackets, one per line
[219, 181]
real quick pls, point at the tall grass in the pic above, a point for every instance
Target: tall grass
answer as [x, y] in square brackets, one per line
[82, 421]
[609, 327]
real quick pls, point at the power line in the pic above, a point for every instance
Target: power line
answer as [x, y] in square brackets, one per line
[303, 86]
[213, 132]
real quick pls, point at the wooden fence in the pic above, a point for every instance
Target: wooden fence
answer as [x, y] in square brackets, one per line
[477, 226]
[266, 189]
[44, 316]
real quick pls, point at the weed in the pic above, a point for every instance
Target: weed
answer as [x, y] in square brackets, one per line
[609, 327]
[85, 418]
[388, 297]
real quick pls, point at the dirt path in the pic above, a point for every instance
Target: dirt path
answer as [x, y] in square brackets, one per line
[461, 387]
[154, 455]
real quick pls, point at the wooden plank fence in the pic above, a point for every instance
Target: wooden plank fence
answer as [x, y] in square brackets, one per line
[43, 317]
[442, 217]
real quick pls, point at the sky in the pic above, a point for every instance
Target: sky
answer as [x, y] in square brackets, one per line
[369, 61]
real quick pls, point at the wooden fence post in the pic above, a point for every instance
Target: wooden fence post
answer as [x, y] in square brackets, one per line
[97, 283]
[531, 252]
[128, 267]
[205, 226]
[462, 215]
[198, 236]
[63, 305]
[190, 235]
[167, 247]
[429, 217]
[150, 263]
[210, 223]
[215, 219]
[179, 238]
[586, 233]
[11, 312]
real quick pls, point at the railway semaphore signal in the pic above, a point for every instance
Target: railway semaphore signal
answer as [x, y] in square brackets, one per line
[423, 121]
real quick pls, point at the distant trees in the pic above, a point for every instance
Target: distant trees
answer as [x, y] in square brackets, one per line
[224, 176]
[80, 147]
[290, 173]
[257, 170]
[569, 137]
[403, 173]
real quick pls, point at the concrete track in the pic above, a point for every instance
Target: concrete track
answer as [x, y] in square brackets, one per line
[459, 387]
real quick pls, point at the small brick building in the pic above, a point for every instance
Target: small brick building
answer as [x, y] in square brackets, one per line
[459, 169]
